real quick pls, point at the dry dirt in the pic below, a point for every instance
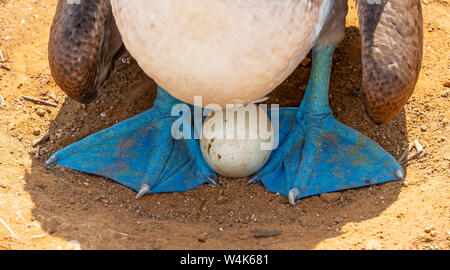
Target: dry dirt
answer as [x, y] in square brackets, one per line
[43, 209]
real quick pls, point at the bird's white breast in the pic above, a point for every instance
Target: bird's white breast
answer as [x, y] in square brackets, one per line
[227, 51]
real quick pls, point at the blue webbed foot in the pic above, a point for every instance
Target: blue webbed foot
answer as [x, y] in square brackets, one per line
[316, 153]
[141, 153]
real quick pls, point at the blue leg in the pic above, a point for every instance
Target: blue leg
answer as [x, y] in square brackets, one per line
[318, 154]
[141, 153]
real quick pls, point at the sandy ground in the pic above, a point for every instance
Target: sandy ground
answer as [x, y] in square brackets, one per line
[63, 209]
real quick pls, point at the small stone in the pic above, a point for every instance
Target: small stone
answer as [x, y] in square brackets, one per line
[52, 138]
[37, 131]
[40, 112]
[433, 233]
[71, 201]
[202, 238]
[53, 97]
[265, 233]
[103, 115]
[125, 60]
[306, 61]
[423, 128]
[51, 224]
[330, 197]
[105, 201]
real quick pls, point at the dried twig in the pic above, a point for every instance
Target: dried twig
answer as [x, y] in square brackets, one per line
[42, 139]
[419, 147]
[264, 233]
[5, 67]
[2, 101]
[8, 228]
[35, 100]
[405, 154]
[271, 243]
[420, 152]
[38, 236]
[38, 149]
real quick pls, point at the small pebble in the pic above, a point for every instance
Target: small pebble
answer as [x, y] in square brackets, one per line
[306, 61]
[202, 238]
[40, 112]
[265, 233]
[37, 131]
[330, 197]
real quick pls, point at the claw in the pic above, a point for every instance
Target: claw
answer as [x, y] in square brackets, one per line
[212, 180]
[399, 174]
[253, 180]
[293, 193]
[144, 189]
[51, 160]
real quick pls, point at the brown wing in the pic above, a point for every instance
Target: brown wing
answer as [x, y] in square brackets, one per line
[392, 44]
[83, 41]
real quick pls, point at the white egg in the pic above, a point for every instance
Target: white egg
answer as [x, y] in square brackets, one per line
[242, 152]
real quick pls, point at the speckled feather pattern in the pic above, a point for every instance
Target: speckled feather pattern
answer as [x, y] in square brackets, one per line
[228, 51]
[334, 29]
[392, 42]
[83, 40]
[232, 51]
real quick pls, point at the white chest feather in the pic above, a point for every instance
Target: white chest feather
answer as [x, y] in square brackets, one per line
[227, 51]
